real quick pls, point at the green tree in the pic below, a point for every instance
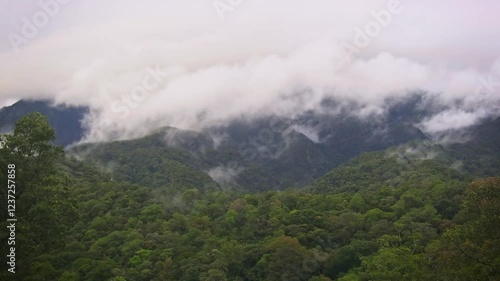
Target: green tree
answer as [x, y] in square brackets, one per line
[42, 207]
[394, 263]
[472, 251]
[30, 149]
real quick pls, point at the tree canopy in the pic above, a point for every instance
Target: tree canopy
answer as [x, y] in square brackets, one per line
[378, 217]
[43, 208]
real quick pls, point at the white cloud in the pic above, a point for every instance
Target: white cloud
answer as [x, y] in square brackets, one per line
[224, 174]
[453, 119]
[254, 62]
[309, 132]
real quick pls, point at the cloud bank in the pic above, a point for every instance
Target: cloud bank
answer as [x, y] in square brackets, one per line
[140, 66]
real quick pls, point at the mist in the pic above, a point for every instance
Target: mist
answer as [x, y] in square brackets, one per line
[196, 64]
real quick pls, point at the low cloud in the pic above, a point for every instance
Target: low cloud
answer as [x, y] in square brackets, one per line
[141, 66]
[309, 132]
[425, 150]
[225, 175]
[454, 119]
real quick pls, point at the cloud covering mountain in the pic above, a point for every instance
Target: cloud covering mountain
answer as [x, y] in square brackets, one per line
[192, 64]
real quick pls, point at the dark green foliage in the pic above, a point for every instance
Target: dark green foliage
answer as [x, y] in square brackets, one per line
[480, 155]
[43, 209]
[148, 162]
[400, 214]
[471, 251]
[378, 233]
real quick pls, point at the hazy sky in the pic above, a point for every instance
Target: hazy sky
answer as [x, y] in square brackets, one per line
[192, 63]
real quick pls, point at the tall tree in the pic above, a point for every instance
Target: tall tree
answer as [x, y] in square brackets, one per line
[42, 208]
[30, 149]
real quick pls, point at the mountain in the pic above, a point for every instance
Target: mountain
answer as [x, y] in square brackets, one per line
[66, 120]
[146, 161]
[264, 154]
[268, 152]
[396, 207]
[478, 156]
[479, 152]
[150, 209]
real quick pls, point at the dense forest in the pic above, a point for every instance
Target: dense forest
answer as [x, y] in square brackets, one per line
[384, 215]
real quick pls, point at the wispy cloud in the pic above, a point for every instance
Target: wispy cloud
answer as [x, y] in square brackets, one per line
[252, 63]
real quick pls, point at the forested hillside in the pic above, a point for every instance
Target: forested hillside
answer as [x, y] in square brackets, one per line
[410, 212]
[231, 140]
[265, 153]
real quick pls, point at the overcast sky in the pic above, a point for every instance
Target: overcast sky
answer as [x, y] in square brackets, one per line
[193, 63]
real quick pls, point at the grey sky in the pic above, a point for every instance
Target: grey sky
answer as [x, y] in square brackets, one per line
[97, 52]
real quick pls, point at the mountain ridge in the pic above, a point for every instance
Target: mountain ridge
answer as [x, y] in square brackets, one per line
[66, 120]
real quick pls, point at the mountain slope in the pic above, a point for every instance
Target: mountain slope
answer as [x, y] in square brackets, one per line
[479, 156]
[146, 161]
[269, 152]
[383, 210]
[289, 159]
[65, 120]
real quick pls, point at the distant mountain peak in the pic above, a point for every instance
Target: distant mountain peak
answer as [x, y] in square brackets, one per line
[66, 120]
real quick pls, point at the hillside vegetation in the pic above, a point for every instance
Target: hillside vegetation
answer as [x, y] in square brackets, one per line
[388, 215]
